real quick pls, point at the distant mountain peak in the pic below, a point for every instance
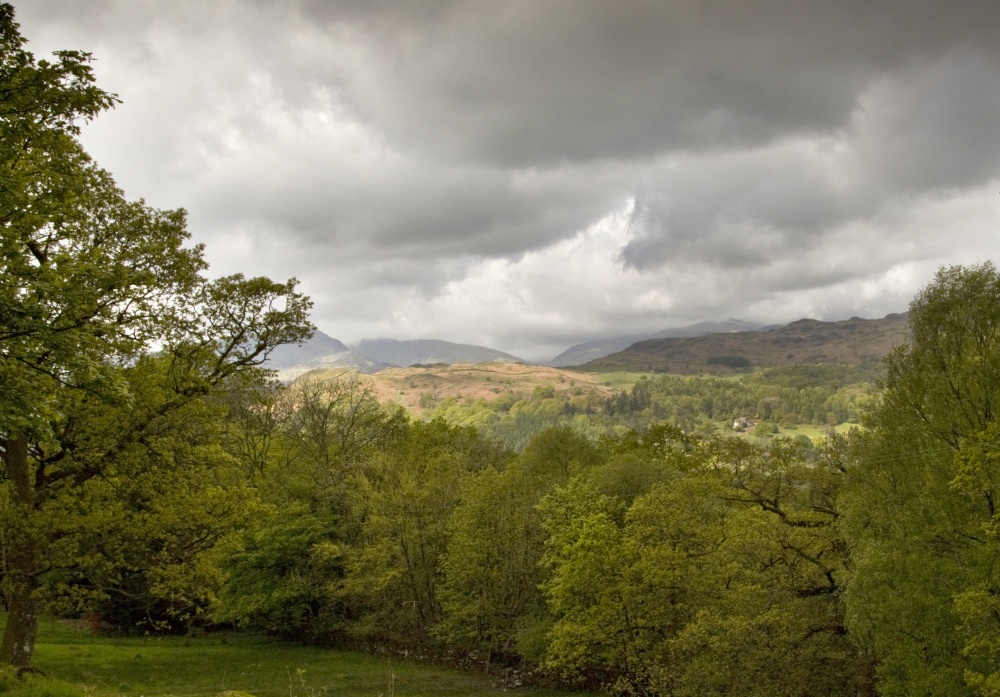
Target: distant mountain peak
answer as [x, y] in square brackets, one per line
[321, 351]
[373, 355]
[291, 355]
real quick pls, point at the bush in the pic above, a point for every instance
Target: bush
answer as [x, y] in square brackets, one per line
[765, 429]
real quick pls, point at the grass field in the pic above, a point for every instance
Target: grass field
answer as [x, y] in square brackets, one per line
[622, 379]
[815, 433]
[80, 664]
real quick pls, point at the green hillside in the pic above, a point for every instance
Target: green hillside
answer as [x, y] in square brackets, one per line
[805, 342]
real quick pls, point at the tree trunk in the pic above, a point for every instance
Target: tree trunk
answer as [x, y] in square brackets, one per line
[20, 577]
[22, 626]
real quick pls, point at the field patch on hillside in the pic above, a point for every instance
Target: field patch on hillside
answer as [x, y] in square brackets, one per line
[419, 389]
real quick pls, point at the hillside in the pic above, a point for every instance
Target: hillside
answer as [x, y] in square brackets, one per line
[599, 348]
[291, 355]
[421, 388]
[320, 351]
[806, 341]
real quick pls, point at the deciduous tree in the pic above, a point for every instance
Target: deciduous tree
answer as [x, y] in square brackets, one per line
[921, 508]
[90, 284]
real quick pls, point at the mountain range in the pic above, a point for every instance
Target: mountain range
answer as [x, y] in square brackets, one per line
[705, 347]
[372, 355]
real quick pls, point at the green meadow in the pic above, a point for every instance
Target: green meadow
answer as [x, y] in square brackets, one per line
[77, 663]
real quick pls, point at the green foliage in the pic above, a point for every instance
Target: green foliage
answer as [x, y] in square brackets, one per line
[555, 455]
[721, 577]
[801, 394]
[359, 500]
[111, 484]
[921, 518]
[126, 527]
[279, 573]
[801, 377]
[637, 562]
[308, 442]
[763, 429]
[402, 501]
[489, 592]
[583, 553]
[86, 275]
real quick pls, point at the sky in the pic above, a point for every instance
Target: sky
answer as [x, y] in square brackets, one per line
[530, 174]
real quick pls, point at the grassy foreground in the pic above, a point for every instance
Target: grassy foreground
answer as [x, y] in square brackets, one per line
[80, 664]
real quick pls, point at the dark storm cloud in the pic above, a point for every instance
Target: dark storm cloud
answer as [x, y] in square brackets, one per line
[933, 125]
[529, 82]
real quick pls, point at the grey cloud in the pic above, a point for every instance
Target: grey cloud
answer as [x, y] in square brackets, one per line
[734, 211]
[933, 126]
[923, 130]
[537, 82]
[404, 209]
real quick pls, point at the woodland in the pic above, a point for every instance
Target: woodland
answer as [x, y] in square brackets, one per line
[156, 479]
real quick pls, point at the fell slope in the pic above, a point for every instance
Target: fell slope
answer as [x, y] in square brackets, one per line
[419, 388]
[806, 341]
[321, 351]
[599, 348]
